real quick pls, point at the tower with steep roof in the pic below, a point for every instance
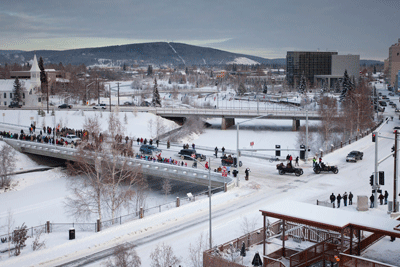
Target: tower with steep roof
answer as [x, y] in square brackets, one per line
[35, 74]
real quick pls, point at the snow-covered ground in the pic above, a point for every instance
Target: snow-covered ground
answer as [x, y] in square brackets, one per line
[38, 196]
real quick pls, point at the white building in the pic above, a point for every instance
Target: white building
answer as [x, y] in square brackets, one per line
[31, 96]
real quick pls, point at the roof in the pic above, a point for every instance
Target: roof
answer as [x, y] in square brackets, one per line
[332, 219]
[7, 85]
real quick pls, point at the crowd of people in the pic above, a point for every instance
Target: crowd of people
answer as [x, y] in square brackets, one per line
[345, 197]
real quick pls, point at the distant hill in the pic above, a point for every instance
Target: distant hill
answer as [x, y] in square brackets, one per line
[159, 53]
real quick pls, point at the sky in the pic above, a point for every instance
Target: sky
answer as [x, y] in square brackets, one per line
[257, 27]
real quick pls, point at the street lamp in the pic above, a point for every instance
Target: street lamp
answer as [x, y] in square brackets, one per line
[237, 141]
[193, 156]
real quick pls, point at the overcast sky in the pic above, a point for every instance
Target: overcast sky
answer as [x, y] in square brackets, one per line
[263, 28]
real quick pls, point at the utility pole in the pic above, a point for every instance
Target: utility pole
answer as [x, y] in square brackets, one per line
[375, 186]
[98, 92]
[47, 84]
[118, 93]
[109, 89]
[395, 173]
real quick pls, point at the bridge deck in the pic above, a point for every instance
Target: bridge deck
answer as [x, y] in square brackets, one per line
[162, 170]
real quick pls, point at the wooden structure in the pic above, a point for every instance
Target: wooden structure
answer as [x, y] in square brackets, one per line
[347, 226]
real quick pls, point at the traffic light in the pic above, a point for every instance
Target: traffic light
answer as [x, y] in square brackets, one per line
[382, 178]
[393, 149]
[371, 180]
[373, 137]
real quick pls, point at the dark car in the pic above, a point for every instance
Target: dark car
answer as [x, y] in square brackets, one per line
[187, 154]
[354, 156]
[382, 103]
[65, 106]
[148, 149]
[14, 105]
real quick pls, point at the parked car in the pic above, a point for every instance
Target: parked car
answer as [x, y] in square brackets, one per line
[397, 110]
[98, 106]
[391, 103]
[70, 138]
[65, 106]
[391, 94]
[354, 156]
[382, 103]
[187, 154]
[127, 103]
[14, 105]
[148, 149]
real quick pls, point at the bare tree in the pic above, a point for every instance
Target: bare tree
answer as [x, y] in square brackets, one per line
[19, 237]
[329, 116]
[10, 226]
[166, 187]
[37, 243]
[7, 165]
[85, 180]
[196, 252]
[163, 256]
[124, 256]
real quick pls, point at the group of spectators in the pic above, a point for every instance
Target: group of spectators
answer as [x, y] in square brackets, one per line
[338, 198]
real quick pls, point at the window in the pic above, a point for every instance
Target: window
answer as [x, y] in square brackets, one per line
[39, 99]
[23, 103]
[5, 95]
[11, 95]
[5, 103]
[23, 96]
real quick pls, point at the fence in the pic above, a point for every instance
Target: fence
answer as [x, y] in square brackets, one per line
[354, 261]
[92, 227]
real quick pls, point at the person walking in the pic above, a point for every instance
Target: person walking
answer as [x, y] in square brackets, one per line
[297, 161]
[314, 161]
[350, 198]
[386, 196]
[223, 150]
[193, 146]
[290, 160]
[345, 199]
[247, 171]
[339, 197]
[206, 165]
[157, 142]
[332, 198]
[216, 151]
[168, 144]
[372, 199]
[381, 197]
[138, 140]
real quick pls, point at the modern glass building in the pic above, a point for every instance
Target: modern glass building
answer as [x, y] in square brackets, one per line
[300, 63]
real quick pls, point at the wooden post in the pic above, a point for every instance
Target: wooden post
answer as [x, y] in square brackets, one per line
[141, 213]
[48, 227]
[177, 202]
[264, 236]
[283, 238]
[98, 225]
[225, 187]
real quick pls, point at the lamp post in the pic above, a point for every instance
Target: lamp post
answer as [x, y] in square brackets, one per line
[209, 194]
[237, 141]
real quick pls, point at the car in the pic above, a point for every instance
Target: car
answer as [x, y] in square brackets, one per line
[382, 103]
[354, 156]
[394, 106]
[71, 138]
[396, 128]
[391, 94]
[397, 110]
[14, 105]
[187, 154]
[148, 149]
[127, 103]
[391, 103]
[102, 106]
[65, 106]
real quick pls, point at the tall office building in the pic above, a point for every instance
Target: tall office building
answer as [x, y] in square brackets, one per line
[394, 62]
[309, 64]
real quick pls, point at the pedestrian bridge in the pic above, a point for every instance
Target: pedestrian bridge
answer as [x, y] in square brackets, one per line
[149, 168]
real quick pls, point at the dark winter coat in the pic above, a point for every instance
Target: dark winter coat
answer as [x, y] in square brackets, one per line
[332, 198]
[372, 198]
[386, 194]
[350, 196]
[339, 197]
[344, 197]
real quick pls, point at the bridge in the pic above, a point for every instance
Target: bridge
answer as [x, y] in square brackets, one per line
[228, 115]
[149, 168]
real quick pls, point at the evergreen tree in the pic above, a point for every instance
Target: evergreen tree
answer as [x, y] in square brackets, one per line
[347, 86]
[43, 76]
[302, 85]
[242, 89]
[149, 70]
[124, 67]
[374, 69]
[17, 91]
[156, 101]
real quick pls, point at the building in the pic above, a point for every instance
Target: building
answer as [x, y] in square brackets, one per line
[321, 67]
[309, 64]
[30, 82]
[394, 62]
